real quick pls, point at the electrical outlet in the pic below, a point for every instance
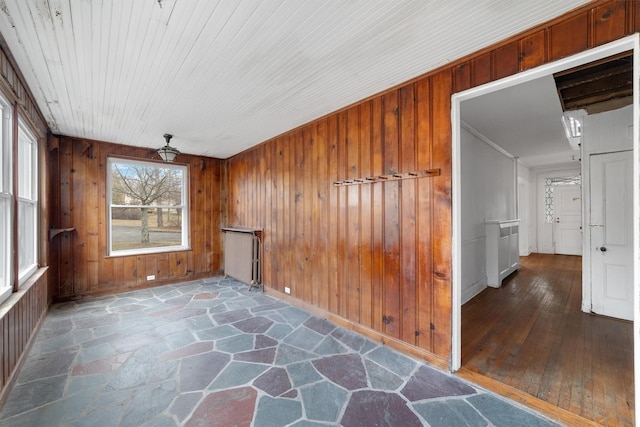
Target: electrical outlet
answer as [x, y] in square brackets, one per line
[287, 290]
[151, 277]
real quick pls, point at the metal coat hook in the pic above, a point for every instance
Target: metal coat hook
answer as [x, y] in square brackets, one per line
[389, 177]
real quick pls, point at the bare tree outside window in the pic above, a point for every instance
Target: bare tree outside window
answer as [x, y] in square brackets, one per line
[147, 205]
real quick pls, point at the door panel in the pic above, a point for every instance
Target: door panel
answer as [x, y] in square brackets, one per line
[567, 204]
[611, 231]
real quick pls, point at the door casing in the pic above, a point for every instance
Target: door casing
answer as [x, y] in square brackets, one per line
[629, 43]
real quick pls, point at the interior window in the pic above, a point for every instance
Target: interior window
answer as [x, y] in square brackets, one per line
[27, 203]
[148, 209]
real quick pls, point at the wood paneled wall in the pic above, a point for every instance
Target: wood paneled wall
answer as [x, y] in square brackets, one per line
[20, 317]
[379, 255]
[21, 313]
[77, 198]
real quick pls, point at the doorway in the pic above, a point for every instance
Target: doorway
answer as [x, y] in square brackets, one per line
[459, 226]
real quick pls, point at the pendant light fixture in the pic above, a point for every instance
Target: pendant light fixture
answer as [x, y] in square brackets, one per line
[167, 152]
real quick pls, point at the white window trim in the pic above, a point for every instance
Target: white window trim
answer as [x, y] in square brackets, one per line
[184, 206]
[6, 193]
[32, 268]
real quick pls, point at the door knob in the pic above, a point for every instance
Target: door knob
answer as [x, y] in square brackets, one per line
[602, 249]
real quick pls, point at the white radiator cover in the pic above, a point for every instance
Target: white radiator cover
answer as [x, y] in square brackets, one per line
[503, 250]
[242, 255]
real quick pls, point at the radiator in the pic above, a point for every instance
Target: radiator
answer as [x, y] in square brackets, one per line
[242, 255]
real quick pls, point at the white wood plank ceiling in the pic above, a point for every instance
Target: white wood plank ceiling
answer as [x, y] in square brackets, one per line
[225, 75]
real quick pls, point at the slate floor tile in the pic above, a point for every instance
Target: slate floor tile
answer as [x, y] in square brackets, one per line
[393, 361]
[274, 382]
[184, 404]
[197, 372]
[211, 352]
[323, 401]
[225, 408]
[277, 411]
[30, 395]
[368, 408]
[427, 383]
[303, 338]
[303, 373]
[346, 370]
[449, 413]
[237, 374]
[381, 378]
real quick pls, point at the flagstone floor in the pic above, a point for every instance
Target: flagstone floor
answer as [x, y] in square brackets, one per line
[212, 353]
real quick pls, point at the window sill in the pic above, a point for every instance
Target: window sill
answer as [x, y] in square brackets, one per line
[162, 251]
[15, 297]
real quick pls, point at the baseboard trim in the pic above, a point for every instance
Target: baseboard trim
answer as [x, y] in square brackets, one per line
[374, 335]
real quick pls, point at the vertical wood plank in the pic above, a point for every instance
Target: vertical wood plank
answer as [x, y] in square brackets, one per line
[366, 211]
[342, 216]
[93, 170]
[332, 124]
[569, 37]
[635, 16]
[79, 217]
[196, 213]
[106, 270]
[54, 212]
[481, 69]
[162, 266]
[141, 269]
[506, 60]
[377, 238]
[269, 207]
[290, 211]
[307, 200]
[534, 50]
[391, 224]
[610, 22]
[424, 297]
[323, 211]
[313, 222]
[352, 236]
[65, 285]
[441, 212]
[282, 215]
[462, 77]
[408, 215]
[298, 217]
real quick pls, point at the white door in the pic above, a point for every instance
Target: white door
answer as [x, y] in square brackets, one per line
[612, 234]
[567, 228]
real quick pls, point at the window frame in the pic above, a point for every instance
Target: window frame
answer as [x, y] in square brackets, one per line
[6, 195]
[31, 199]
[184, 206]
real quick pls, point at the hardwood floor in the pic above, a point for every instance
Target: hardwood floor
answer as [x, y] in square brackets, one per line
[530, 334]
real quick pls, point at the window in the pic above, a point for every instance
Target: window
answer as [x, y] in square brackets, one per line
[6, 201]
[147, 207]
[27, 203]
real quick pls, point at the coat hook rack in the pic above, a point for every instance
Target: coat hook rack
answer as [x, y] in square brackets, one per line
[389, 177]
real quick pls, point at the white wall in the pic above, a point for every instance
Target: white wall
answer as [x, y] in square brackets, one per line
[487, 193]
[602, 133]
[526, 211]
